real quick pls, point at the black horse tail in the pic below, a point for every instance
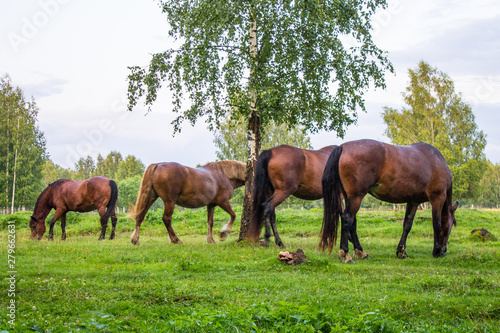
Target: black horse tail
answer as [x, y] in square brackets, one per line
[332, 201]
[112, 200]
[261, 184]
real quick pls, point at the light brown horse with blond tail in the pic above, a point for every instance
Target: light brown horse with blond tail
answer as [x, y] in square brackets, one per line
[210, 185]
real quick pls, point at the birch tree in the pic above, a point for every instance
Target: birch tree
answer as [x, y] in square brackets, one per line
[299, 62]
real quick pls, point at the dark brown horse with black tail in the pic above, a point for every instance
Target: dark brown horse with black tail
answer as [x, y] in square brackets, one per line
[211, 185]
[280, 172]
[66, 195]
[398, 174]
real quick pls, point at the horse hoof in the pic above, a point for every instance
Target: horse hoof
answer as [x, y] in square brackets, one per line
[361, 255]
[350, 261]
[222, 235]
[439, 255]
[402, 255]
[264, 242]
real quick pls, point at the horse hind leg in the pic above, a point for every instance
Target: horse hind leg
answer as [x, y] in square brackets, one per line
[104, 222]
[167, 220]
[358, 250]
[114, 220]
[267, 229]
[139, 218]
[270, 215]
[226, 229]
[348, 229]
[277, 238]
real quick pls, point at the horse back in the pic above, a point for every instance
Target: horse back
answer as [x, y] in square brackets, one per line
[98, 190]
[393, 173]
[185, 186]
[298, 171]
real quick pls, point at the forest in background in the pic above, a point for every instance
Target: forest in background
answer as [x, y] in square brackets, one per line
[433, 113]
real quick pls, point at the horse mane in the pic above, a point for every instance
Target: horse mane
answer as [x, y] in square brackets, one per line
[231, 168]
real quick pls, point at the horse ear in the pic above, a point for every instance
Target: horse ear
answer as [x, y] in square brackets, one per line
[455, 206]
[34, 218]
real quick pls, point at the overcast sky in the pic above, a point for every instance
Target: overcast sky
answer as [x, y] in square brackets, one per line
[72, 57]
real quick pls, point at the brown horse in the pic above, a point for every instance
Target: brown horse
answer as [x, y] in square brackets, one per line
[211, 185]
[280, 172]
[67, 195]
[398, 174]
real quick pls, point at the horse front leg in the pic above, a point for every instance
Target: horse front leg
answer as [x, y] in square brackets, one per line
[210, 223]
[437, 207]
[411, 209]
[63, 226]
[57, 215]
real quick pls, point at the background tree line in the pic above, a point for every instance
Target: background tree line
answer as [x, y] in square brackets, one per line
[22, 148]
[433, 113]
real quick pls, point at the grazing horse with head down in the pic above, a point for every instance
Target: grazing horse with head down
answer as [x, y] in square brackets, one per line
[398, 174]
[66, 195]
[210, 185]
[280, 172]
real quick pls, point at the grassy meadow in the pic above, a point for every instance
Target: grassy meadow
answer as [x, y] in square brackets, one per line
[85, 285]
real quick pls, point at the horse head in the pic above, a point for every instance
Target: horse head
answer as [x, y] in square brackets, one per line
[447, 222]
[37, 227]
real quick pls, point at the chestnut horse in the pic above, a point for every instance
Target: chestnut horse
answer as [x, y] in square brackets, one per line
[398, 174]
[66, 195]
[211, 185]
[280, 172]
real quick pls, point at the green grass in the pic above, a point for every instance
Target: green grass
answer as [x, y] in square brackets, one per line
[82, 284]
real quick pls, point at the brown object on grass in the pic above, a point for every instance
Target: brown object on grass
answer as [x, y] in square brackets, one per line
[292, 258]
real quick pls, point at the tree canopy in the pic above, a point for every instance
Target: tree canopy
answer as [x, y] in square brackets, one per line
[293, 62]
[436, 114]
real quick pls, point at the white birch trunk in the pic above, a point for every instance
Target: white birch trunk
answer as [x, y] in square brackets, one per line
[253, 134]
